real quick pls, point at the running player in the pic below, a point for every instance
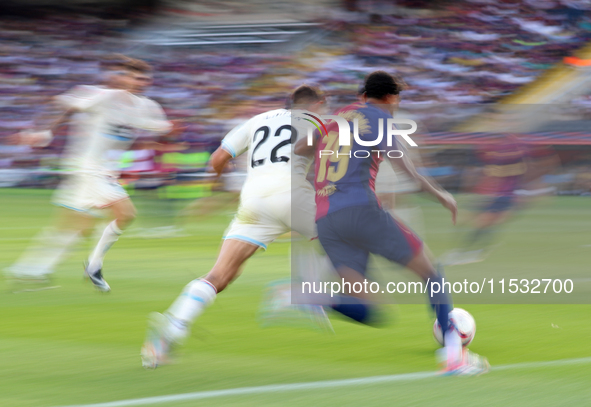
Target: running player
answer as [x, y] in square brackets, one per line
[104, 119]
[351, 222]
[150, 117]
[265, 213]
[503, 165]
[509, 175]
[36, 264]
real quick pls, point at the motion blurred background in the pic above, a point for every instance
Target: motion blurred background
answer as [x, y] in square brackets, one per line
[217, 63]
[469, 66]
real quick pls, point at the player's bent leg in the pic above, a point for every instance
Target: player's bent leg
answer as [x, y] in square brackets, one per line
[49, 247]
[441, 301]
[168, 330]
[232, 256]
[124, 213]
[359, 307]
[349, 262]
[457, 360]
[199, 293]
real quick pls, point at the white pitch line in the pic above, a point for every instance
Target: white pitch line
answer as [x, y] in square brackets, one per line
[277, 388]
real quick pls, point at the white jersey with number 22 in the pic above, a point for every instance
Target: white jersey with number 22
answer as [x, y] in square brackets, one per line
[268, 139]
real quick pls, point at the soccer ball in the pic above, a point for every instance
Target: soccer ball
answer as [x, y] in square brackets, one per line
[464, 323]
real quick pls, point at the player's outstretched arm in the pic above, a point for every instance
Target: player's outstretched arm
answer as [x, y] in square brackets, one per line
[41, 135]
[58, 111]
[428, 185]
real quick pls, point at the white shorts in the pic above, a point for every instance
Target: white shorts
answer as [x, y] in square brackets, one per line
[261, 220]
[84, 192]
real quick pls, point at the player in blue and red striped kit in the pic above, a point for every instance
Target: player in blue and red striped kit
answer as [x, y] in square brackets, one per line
[509, 177]
[351, 222]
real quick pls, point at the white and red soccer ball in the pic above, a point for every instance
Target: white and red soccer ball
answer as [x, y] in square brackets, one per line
[464, 323]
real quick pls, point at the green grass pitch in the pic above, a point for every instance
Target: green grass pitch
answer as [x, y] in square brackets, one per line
[73, 345]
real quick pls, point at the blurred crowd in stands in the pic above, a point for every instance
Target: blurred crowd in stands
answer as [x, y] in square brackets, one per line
[454, 52]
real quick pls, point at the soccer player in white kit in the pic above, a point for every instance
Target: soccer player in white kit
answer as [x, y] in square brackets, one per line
[265, 213]
[106, 119]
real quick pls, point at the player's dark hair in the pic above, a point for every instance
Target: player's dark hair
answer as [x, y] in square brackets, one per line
[306, 95]
[378, 84]
[114, 62]
[137, 65]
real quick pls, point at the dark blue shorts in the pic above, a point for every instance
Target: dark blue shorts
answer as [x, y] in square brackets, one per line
[349, 235]
[497, 204]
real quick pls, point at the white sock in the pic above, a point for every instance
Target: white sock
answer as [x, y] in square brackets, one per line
[196, 296]
[453, 346]
[48, 249]
[110, 235]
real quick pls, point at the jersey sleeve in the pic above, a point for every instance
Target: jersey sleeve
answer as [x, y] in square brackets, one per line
[83, 97]
[237, 140]
[152, 118]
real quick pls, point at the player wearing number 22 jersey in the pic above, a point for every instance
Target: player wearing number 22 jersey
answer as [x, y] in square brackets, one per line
[266, 212]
